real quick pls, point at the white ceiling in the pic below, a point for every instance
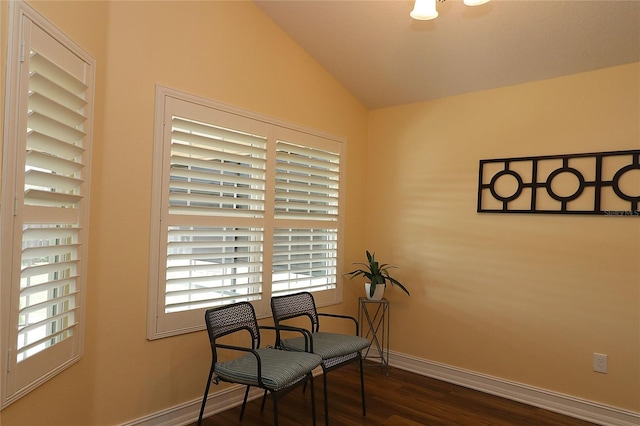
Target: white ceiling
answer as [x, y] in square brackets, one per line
[385, 58]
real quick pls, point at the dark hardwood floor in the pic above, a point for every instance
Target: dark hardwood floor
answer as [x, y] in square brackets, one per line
[399, 399]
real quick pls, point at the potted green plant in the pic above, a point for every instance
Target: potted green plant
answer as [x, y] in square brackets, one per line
[376, 273]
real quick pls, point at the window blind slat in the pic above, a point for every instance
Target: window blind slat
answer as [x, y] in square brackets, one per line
[307, 199]
[311, 208]
[58, 183]
[318, 255]
[286, 147]
[45, 125]
[220, 252]
[314, 234]
[204, 293]
[302, 279]
[254, 180]
[49, 251]
[321, 188]
[41, 233]
[215, 202]
[210, 266]
[224, 297]
[307, 161]
[210, 149]
[219, 212]
[212, 278]
[57, 336]
[50, 199]
[293, 247]
[297, 179]
[280, 289]
[241, 138]
[54, 110]
[302, 173]
[49, 268]
[303, 268]
[248, 166]
[68, 299]
[305, 215]
[60, 148]
[214, 233]
[211, 256]
[51, 90]
[241, 246]
[47, 161]
[49, 285]
[196, 187]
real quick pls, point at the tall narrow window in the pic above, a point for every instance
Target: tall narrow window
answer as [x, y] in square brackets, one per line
[44, 201]
[243, 208]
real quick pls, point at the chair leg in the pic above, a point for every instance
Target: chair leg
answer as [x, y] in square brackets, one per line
[204, 398]
[264, 399]
[364, 407]
[244, 401]
[326, 398]
[313, 398]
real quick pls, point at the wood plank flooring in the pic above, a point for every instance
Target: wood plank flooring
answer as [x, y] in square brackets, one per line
[399, 399]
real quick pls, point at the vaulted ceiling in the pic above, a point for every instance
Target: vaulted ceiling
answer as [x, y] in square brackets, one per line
[385, 58]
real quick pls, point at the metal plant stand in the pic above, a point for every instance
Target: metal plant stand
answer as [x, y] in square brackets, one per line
[373, 317]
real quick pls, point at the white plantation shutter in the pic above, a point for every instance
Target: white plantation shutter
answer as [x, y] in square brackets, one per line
[306, 189]
[50, 188]
[51, 200]
[239, 214]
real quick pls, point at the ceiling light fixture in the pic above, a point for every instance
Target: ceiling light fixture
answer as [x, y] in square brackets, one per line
[424, 10]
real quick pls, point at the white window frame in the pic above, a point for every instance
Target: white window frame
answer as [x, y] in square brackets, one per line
[57, 80]
[263, 219]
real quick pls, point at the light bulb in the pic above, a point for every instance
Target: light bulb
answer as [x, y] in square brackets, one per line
[424, 10]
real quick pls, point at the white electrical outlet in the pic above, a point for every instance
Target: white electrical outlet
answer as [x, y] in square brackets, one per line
[600, 363]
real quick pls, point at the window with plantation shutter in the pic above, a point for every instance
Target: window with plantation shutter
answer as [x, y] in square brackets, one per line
[44, 201]
[243, 208]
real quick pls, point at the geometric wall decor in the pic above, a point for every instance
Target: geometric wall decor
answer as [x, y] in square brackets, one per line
[599, 183]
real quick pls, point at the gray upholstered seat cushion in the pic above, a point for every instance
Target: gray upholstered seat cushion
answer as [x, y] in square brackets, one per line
[329, 345]
[279, 368]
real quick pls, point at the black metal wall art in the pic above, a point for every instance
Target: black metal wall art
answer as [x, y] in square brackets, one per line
[600, 183]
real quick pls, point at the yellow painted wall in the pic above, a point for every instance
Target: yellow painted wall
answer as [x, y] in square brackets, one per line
[528, 298]
[225, 51]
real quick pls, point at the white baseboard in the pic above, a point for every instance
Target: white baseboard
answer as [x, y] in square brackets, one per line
[564, 404]
[600, 414]
[188, 412]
